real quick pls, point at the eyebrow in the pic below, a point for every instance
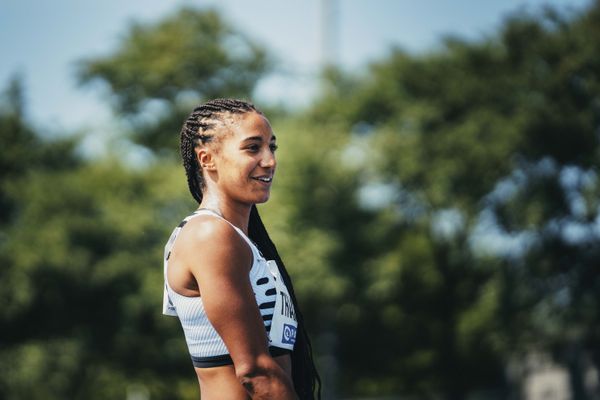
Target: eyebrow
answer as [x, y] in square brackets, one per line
[258, 138]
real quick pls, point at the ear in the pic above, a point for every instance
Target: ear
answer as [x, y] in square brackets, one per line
[205, 158]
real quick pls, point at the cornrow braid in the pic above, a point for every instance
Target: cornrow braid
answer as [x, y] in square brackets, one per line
[196, 130]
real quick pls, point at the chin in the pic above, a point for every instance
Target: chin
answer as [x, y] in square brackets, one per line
[262, 199]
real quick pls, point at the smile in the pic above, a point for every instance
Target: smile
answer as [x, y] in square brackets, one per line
[266, 179]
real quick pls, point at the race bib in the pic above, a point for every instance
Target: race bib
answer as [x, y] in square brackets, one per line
[283, 325]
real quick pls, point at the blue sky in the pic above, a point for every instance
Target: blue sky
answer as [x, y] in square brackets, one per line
[41, 40]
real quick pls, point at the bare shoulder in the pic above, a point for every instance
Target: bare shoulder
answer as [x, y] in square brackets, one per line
[207, 228]
[213, 241]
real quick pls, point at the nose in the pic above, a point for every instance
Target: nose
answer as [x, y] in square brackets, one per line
[268, 160]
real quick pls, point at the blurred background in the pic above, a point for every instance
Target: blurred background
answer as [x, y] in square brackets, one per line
[436, 201]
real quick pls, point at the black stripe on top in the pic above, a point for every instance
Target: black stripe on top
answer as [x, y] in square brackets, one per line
[268, 304]
[225, 359]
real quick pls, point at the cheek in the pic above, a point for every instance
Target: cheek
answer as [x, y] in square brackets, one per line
[237, 170]
[240, 173]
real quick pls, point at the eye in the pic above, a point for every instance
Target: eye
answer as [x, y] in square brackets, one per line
[273, 147]
[253, 148]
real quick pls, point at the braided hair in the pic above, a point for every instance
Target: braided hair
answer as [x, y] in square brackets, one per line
[198, 129]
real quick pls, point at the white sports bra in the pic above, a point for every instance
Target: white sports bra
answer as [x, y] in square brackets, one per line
[206, 347]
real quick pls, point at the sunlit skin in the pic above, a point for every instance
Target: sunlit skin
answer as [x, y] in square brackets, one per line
[243, 152]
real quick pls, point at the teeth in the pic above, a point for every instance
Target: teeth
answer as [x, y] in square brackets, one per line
[264, 179]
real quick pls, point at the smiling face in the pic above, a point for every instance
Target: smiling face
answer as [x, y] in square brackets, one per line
[242, 160]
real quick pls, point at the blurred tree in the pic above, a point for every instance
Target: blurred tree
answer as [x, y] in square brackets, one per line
[439, 215]
[21, 149]
[161, 70]
[83, 320]
[17, 141]
[83, 239]
[494, 142]
[314, 218]
[79, 311]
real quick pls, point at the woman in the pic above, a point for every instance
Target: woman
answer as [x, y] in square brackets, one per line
[223, 276]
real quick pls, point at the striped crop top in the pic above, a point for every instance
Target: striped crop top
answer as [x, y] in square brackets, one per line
[206, 347]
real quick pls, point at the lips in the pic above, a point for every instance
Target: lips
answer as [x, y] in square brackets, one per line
[265, 178]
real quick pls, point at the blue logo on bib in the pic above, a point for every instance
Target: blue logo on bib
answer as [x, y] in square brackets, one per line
[289, 334]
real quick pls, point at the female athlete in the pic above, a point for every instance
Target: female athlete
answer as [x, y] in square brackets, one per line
[224, 279]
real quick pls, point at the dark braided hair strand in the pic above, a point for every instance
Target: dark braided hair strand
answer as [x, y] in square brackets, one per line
[196, 130]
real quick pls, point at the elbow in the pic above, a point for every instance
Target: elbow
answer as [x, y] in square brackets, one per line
[249, 372]
[257, 373]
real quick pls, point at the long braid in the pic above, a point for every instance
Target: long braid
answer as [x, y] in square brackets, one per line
[196, 131]
[304, 373]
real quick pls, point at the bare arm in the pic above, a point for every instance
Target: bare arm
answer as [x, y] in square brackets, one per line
[221, 271]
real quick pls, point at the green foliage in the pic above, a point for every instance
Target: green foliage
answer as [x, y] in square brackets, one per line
[312, 179]
[438, 215]
[21, 150]
[79, 274]
[160, 70]
[500, 132]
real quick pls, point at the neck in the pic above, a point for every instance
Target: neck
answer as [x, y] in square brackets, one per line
[236, 213]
